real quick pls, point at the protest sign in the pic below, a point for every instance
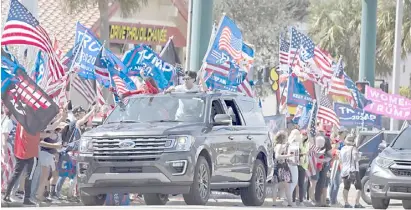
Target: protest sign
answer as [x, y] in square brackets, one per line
[297, 93]
[389, 105]
[350, 117]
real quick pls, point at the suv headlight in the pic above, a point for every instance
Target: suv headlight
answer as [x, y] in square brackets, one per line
[86, 144]
[383, 162]
[182, 143]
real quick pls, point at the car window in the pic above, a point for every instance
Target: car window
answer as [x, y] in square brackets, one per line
[364, 138]
[390, 137]
[252, 113]
[232, 110]
[402, 142]
[216, 108]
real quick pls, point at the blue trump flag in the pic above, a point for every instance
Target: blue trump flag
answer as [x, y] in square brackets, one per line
[351, 118]
[91, 47]
[132, 57]
[297, 94]
[117, 78]
[159, 70]
[227, 45]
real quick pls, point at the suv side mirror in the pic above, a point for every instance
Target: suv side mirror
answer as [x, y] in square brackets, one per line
[382, 145]
[222, 119]
[97, 121]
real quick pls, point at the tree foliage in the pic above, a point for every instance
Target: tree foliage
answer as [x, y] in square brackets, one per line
[336, 26]
[262, 22]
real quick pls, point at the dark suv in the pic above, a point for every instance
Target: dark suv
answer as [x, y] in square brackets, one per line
[179, 143]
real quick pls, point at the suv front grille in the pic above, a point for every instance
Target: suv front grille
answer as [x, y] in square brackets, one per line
[145, 148]
[402, 168]
[401, 172]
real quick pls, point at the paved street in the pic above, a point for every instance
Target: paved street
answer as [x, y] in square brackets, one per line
[171, 207]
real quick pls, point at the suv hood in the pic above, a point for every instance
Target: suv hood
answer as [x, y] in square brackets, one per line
[395, 154]
[145, 129]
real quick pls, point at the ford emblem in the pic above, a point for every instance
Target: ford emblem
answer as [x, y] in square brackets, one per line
[127, 144]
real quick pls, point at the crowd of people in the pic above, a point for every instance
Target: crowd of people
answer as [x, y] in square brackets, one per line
[41, 163]
[307, 169]
[312, 168]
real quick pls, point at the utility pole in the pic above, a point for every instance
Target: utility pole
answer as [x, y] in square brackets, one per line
[368, 41]
[396, 67]
[189, 26]
[201, 27]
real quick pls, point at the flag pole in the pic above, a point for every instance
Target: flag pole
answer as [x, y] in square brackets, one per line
[70, 71]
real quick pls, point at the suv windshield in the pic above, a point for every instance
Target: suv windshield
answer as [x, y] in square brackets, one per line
[160, 108]
[403, 140]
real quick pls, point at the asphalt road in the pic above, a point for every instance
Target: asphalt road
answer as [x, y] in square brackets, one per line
[168, 207]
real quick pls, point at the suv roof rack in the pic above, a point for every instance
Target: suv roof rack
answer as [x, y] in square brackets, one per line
[226, 92]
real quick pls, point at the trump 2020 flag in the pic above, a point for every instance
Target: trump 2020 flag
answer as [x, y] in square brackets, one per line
[227, 45]
[91, 47]
[28, 103]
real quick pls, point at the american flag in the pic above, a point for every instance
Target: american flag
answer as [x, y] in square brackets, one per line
[284, 48]
[100, 96]
[7, 165]
[57, 49]
[312, 160]
[326, 113]
[22, 28]
[85, 88]
[230, 43]
[120, 86]
[338, 87]
[224, 69]
[322, 60]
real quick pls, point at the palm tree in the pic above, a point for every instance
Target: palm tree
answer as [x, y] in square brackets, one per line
[336, 26]
[126, 7]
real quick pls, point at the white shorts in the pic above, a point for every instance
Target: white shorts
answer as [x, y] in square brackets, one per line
[47, 159]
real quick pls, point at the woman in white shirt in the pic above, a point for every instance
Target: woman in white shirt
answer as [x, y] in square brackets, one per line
[294, 140]
[349, 158]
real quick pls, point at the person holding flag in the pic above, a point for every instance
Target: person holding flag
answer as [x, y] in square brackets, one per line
[149, 86]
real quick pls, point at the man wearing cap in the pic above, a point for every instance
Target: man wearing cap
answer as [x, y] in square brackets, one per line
[189, 83]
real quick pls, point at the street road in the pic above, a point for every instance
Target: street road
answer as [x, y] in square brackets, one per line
[170, 207]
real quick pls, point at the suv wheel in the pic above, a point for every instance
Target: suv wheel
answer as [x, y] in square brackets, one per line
[366, 190]
[379, 203]
[406, 204]
[92, 200]
[155, 199]
[200, 189]
[254, 195]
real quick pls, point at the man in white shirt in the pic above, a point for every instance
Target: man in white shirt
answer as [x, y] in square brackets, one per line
[349, 158]
[189, 84]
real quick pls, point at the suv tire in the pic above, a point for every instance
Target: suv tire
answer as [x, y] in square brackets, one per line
[255, 193]
[365, 182]
[155, 199]
[406, 204]
[379, 203]
[92, 200]
[200, 189]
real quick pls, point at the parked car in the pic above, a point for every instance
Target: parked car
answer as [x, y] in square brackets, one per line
[178, 143]
[391, 173]
[371, 144]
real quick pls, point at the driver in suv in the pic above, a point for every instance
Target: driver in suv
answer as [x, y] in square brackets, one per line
[391, 173]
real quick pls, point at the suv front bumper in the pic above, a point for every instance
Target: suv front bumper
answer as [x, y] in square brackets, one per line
[164, 175]
[386, 185]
